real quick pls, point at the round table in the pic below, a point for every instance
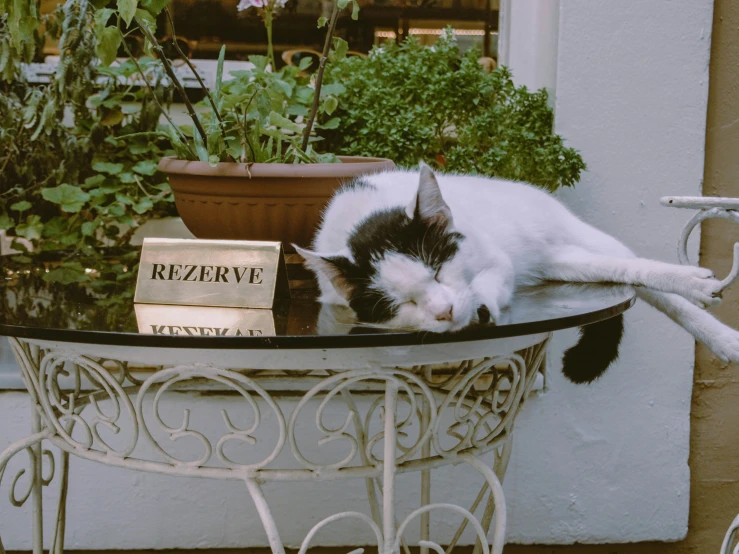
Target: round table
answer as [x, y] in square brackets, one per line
[97, 383]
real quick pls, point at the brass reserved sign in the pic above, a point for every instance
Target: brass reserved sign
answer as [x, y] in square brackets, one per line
[223, 273]
[196, 321]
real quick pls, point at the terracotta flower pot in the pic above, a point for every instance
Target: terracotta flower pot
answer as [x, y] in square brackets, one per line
[280, 202]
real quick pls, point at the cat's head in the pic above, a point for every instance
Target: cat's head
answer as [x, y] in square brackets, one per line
[400, 268]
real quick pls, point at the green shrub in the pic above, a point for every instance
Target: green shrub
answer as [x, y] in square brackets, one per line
[411, 102]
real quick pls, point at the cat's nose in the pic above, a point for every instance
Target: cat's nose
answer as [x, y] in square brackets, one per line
[445, 314]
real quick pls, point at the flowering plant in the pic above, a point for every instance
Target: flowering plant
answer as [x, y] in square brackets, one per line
[266, 10]
[261, 115]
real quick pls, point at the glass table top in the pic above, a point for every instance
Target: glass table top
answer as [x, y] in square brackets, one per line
[96, 306]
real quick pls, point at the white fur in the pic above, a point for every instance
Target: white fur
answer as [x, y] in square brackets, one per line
[515, 234]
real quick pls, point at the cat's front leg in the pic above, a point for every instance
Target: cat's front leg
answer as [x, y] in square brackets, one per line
[574, 264]
[493, 289]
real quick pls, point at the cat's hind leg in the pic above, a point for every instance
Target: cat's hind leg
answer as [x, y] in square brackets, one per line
[720, 339]
[575, 264]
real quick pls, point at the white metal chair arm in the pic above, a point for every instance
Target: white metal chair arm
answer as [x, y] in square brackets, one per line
[710, 208]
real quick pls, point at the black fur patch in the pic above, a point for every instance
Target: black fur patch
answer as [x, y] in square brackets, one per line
[595, 351]
[384, 232]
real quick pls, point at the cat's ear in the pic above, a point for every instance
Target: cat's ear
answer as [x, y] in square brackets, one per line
[429, 204]
[333, 267]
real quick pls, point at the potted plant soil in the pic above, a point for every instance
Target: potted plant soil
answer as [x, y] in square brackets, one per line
[250, 166]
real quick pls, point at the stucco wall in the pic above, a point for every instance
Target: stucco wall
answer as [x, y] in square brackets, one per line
[606, 463]
[714, 417]
[631, 94]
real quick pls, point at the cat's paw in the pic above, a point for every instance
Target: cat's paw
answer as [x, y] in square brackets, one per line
[725, 345]
[699, 285]
[489, 314]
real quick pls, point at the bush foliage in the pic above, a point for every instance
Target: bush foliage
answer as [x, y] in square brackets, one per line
[409, 102]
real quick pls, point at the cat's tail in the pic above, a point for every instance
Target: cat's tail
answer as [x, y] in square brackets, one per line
[595, 351]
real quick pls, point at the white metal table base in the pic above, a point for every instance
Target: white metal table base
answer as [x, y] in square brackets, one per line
[74, 395]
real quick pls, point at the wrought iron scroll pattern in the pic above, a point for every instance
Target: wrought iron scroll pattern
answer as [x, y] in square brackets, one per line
[168, 379]
[479, 397]
[709, 208]
[471, 404]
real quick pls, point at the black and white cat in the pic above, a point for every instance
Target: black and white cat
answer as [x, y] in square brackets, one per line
[406, 251]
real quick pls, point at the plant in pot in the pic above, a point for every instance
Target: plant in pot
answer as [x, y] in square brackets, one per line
[76, 160]
[249, 166]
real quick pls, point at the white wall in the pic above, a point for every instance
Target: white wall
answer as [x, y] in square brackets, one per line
[604, 463]
[530, 33]
[631, 93]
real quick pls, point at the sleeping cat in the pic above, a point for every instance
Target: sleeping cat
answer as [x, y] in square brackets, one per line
[406, 251]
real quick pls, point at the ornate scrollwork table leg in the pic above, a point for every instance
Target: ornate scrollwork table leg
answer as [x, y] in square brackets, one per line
[29, 358]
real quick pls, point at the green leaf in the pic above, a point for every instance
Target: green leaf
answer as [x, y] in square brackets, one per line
[213, 160]
[109, 39]
[123, 198]
[31, 229]
[94, 181]
[330, 103]
[55, 226]
[284, 87]
[336, 89]
[70, 198]
[147, 20]
[154, 6]
[5, 222]
[68, 273]
[127, 219]
[304, 95]
[332, 123]
[322, 22]
[342, 4]
[355, 10]
[304, 63]
[282, 122]
[101, 19]
[21, 206]
[137, 149]
[22, 259]
[200, 148]
[341, 47]
[98, 4]
[297, 109]
[127, 9]
[219, 75]
[70, 239]
[112, 117]
[143, 205]
[146, 167]
[260, 62]
[179, 147]
[107, 167]
[89, 227]
[109, 187]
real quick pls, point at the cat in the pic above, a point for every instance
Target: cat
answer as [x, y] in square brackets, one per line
[405, 250]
